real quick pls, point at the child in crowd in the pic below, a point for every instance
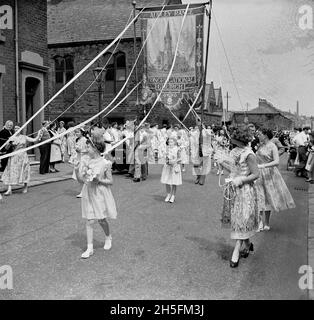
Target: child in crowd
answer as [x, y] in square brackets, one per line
[81, 154]
[97, 200]
[171, 172]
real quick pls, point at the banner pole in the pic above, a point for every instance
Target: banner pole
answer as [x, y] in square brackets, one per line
[134, 50]
[204, 80]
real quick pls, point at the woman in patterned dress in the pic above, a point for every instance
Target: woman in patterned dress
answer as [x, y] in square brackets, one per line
[277, 194]
[245, 205]
[18, 169]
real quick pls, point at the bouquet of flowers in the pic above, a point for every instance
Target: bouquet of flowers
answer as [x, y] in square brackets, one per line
[88, 174]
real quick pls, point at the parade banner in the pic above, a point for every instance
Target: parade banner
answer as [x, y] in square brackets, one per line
[186, 78]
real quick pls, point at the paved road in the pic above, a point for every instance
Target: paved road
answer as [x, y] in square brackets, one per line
[160, 250]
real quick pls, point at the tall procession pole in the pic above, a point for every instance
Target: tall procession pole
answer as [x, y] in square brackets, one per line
[134, 49]
[204, 77]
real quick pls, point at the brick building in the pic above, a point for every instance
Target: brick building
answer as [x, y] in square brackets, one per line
[23, 60]
[77, 31]
[265, 115]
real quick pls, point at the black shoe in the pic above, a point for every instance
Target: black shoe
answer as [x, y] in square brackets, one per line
[197, 181]
[56, 170]
[234, 264]
[245, 252]
[137, 180]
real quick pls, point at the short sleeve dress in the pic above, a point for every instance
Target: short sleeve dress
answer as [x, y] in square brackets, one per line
[244, 207]
[277, 194]
[97, 200]
[171, 172]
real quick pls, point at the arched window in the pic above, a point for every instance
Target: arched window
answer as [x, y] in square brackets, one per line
[64, 70]
[115, 72]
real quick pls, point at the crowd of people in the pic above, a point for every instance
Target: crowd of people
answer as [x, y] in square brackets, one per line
[247, 157]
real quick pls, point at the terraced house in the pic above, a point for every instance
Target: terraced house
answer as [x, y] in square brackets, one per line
[23, 60]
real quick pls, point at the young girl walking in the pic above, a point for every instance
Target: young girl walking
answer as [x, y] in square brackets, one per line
[171, 172]
[97, 200]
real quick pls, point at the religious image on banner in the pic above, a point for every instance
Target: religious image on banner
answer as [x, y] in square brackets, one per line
[159, 52]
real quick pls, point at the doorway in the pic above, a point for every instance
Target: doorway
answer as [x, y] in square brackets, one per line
[31, 104]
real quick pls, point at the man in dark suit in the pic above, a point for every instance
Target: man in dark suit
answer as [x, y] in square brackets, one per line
[5, 134]
[44, 149]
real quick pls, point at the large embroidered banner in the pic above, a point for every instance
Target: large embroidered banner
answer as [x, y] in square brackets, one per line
[159, 53]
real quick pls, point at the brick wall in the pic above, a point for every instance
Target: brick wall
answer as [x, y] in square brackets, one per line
[271, 121]
[7, 58]
[32, 20]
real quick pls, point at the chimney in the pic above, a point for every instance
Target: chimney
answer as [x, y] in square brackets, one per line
[297, 107]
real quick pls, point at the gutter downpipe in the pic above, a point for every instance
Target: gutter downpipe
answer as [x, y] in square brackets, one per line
[17, 80]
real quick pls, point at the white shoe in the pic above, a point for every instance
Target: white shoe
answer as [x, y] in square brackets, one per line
[218, 172]
[222, 172]
[108, 243]
[168, 197]
[79, 195]
[89, 252]
[172, 199]
[266, 228]
[8, 193]
[24, 190]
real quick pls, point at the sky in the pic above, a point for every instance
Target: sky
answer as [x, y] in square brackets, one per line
[270, 55]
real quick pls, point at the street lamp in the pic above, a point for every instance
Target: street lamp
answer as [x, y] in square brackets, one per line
[99, 74]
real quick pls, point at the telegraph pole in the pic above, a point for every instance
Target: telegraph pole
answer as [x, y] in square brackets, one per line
[227, 97]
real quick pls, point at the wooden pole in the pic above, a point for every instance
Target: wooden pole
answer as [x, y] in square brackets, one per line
[134, 49]
[204, 80]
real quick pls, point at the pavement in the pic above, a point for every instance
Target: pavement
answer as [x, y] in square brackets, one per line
[311, 235]
[160, 250]
[65, 173]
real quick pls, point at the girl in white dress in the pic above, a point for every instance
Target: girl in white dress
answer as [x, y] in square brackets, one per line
[97, 200]
[171, 172]
[60, 130]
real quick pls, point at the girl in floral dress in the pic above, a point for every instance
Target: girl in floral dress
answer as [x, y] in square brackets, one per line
[97, 201]
[277, 194]
[171, 172]
[18, 169]
[245, 205]
[183, 142]
[71, 137]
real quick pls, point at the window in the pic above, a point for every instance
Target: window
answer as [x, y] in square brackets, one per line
[115, 72]
[64, 70]
[2, 37]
